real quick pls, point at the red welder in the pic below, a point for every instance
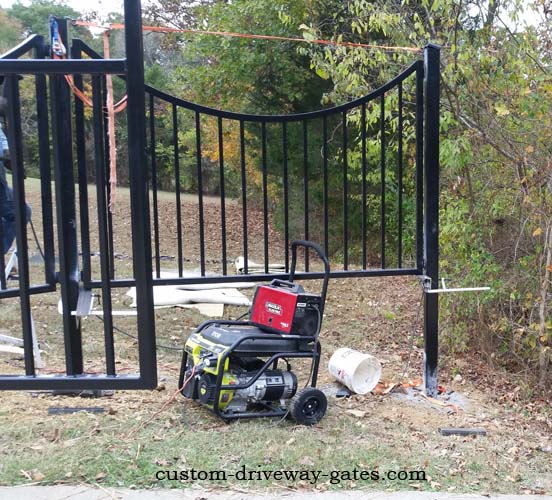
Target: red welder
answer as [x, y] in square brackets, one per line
[284, 307]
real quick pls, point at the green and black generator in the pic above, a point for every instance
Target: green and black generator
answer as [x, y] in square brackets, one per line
[242, 369]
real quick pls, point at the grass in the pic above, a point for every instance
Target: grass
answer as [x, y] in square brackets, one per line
[116, 449]
[129, 443]
[86, 447]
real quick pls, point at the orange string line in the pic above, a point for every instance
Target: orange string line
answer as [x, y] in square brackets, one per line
[111, 110]
[78, 92]
[166, 29]
[110, 127]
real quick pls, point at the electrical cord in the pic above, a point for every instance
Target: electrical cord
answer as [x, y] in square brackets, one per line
[122, 332]
[36, 239]
[243, 315]
[411, 350]
[165, 405]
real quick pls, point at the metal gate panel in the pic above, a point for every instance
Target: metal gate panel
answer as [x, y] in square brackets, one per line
[56, 122]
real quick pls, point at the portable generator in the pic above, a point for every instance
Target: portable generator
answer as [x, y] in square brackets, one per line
[241, 369]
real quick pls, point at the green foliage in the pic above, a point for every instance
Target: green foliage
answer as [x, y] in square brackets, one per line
[254, 76]
[495, 125]
[496, 188]
[10, 31]
[34, 18]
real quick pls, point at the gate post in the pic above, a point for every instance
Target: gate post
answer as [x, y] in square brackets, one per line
[66, 214]
[139, 196]
[431, 214]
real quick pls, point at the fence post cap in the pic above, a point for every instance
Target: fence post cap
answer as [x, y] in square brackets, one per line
[432, 46]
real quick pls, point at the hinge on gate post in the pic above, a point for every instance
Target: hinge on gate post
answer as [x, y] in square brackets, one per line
[425, 281]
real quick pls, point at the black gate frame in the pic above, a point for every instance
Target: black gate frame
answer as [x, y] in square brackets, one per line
[69, 277]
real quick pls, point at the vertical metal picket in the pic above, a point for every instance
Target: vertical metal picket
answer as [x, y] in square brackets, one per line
[80, 149]
[332, 163]
[20, 219]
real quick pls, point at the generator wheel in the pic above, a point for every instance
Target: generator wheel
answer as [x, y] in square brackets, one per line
[308, 406]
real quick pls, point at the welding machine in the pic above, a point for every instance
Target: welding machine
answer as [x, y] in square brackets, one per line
[284, 307]
[232, 367]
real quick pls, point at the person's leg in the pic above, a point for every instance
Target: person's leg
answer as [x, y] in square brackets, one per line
[28, 213]
[7, 216]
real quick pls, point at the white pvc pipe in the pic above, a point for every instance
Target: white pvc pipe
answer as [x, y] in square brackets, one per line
[453, 290]
[101, 313]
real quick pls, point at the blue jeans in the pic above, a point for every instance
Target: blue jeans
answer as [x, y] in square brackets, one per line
[7, 216]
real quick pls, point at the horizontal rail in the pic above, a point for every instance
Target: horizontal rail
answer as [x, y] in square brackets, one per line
[34, 290]
[123, 283]
[73, 383]
[457, 290]
[62, 67]
[33, 42]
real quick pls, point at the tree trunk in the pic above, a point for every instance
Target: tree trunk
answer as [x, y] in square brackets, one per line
[544, 350]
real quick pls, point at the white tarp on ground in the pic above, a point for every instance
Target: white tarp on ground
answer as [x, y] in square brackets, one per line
[172, 295]
[208, 298]
[203, 286]
[254, 268]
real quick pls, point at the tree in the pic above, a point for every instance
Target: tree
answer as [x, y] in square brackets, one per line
[256, 76]
[34, 18]
[10, 31]
[178, 14]
[240, 74]
[496, 216]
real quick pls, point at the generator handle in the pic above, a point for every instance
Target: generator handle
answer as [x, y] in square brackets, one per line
[322, 255]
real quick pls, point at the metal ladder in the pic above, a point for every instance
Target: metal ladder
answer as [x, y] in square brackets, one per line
[13, 341]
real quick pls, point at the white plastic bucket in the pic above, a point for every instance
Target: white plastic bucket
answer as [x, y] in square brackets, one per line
[358, 371]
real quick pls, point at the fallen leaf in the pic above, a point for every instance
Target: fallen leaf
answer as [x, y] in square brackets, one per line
[100, 476]
[306, 461]
[55, 436]
[357, 413]
[537, 232]
[383, 388]
[36, 475]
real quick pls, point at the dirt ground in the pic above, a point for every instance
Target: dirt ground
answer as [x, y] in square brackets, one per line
[140, 432]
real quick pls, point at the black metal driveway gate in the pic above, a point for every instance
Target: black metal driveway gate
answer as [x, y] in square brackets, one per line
[315, 175]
